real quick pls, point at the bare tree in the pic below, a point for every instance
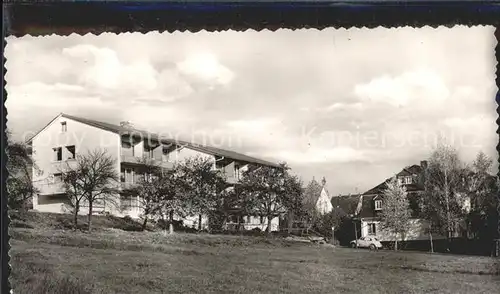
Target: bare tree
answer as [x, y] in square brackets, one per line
[396, 211]
[91, 179]
[74, 187]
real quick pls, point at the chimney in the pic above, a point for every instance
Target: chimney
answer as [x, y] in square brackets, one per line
[126, 124]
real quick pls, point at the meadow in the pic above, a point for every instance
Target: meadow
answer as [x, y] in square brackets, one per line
[47, 257]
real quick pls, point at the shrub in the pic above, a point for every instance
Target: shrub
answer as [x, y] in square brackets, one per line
[20, 224]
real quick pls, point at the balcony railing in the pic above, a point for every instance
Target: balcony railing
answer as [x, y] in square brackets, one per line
[126, 185]
[231, 180]
[137, 161]
[50, 188]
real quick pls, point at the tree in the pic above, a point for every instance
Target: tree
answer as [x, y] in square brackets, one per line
[199, 182]
[20, 166]
[443, 200]
[294, 199]
[155, 190]
[311, 192]
[324, 223]
[74, 187]
[396, 211]
[92, 178]
[230, 199]
[482, 189]
[269, 191]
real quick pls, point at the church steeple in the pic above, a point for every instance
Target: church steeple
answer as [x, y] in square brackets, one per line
[323, 181]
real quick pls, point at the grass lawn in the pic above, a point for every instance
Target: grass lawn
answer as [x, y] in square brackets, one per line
[47, 260]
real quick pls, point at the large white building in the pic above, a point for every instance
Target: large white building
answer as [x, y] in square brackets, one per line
[59, 142]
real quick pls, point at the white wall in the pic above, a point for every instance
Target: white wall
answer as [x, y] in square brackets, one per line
[417, 230]
[83, 137]
[324, 204]
[182, 154]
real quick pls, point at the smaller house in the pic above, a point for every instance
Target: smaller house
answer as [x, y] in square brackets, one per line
[317, 198]
[323, 203]
[316, 201]
[371, 205]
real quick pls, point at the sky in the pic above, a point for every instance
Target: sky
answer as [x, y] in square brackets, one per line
[354, 106]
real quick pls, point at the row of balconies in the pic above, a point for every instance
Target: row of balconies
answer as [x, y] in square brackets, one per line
[137, 161]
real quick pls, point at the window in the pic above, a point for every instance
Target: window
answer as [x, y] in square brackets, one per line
[64, 127]
[58, 178]
[128, 146]
[372, 229]
[405, 180]
[128, 202]
[122, 176]
[236, 172]
[57, 154]
[71, 152]
[128, 175]
[148, 151]
[378, 204]
[167, 150]
[148, 177]
[233, 219]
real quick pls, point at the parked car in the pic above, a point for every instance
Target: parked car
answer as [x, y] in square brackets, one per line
[367, 242]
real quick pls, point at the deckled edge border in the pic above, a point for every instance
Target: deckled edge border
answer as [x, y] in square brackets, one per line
[497, 99]
[5, 220]
[321, 15]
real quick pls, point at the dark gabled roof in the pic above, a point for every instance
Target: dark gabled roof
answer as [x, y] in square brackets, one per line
[368, 207]
[346, 203]
[407, 171]
[198, 147]
[414, 169]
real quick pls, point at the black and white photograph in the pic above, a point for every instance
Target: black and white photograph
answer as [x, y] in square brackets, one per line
[291, 161]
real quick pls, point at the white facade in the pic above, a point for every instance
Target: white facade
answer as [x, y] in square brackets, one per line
[418, 229]
[252, 222]
[324, 203]
[64, 138]
[65, 134]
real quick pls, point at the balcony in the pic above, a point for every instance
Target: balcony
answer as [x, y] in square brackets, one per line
[137, 161]
[231, 180]
[50, 188]
[126, 186]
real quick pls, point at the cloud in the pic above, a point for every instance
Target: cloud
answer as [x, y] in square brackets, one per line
[320, 155]
[106, 71]
[253, 125]
[410, 87]
[206, 67]
[262, 92]
[344, 106]
[42, 96]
